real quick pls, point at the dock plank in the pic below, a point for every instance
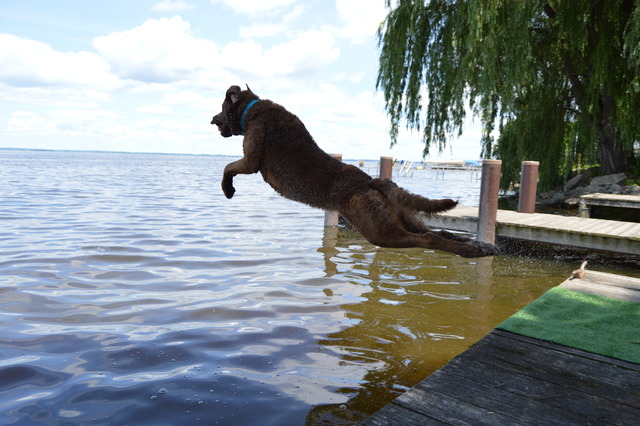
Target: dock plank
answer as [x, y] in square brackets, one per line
[576, 371]
[598, 234]
[607, 291]
[619, 201]
[623, 200]
[526, 392]
[611, 280]
[608, 285]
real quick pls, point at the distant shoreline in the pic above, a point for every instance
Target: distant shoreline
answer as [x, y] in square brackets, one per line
[155, 153]
[113, 152]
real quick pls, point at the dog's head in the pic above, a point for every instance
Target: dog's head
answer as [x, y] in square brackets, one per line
[228, 120]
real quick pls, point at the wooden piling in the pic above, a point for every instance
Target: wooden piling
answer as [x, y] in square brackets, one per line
[528, 187]
[386, 167]
[332, 217]
[489, 186]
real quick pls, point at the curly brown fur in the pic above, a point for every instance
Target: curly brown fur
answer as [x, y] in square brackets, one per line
[277, 144]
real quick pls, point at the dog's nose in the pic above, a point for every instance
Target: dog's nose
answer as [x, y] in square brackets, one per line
[216, 120]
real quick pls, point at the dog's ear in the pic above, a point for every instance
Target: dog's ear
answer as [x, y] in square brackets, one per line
[232, 94]
[249, 89]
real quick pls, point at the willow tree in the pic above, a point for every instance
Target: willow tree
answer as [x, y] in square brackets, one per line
[559, 80]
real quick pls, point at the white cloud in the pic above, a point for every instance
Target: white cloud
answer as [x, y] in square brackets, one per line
[185, 99]
[361, 18]
[270, 28]
[172, 6]
[305, 54]
[160, 50]
[69, 122]
[255, 7]
[74, 97]
[155, 109]
[354, 77]
[29, 63]
[261, 30]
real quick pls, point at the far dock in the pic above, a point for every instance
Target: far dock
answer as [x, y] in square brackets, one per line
[618, 201]
[596, 234]
[510, 377]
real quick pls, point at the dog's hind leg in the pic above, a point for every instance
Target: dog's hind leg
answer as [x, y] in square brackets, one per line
[414, 225]
[381, 224]
[445, 241]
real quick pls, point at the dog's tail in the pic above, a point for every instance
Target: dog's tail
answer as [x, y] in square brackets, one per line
[411, 201]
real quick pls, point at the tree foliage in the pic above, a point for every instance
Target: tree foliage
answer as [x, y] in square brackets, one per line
[559, 80]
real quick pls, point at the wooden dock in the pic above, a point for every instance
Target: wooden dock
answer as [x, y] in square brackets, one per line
[607, 200]
[507, 378]
[597, 234]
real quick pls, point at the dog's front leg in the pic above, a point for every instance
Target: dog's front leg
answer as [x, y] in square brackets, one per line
[227, 180]
[247, 165]
[241, 167]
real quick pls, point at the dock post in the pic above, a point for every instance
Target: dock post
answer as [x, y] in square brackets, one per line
[332, 217]
[528, 187]
[489, 186]
[386, 167]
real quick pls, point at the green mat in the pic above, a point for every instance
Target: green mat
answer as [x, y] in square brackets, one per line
[596, 324]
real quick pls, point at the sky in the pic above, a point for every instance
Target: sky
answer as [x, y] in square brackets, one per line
[148, 75]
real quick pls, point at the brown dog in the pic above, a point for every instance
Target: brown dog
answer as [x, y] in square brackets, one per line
[277, 144]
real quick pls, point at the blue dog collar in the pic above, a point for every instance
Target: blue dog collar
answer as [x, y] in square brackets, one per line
[244, 113]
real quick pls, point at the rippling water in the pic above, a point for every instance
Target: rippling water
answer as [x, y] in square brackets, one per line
[133, 292]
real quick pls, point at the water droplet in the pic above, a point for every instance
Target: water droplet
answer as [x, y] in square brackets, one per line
[162, 391]
[343, 407]
[154, 397]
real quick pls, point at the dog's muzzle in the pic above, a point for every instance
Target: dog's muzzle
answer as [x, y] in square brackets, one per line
[216, 120]
[223, 127]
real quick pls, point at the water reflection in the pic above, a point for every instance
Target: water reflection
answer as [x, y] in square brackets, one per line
[419, 309]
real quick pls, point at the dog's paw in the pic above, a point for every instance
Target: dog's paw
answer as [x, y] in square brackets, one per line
[475, 248]
[492, 250]
[228, 190]
[487, 249]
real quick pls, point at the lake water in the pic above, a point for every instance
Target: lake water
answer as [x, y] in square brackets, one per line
[133, 292]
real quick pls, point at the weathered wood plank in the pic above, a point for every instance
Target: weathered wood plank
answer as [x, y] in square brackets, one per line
[510, 379]
[569, 350]
[603, 290]
[607, 200]
[444, 408]
[576, 373]
[508, 393]
[526, 397]
[612, 200]
[607, 285]
[394, 414]
[603, 278]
